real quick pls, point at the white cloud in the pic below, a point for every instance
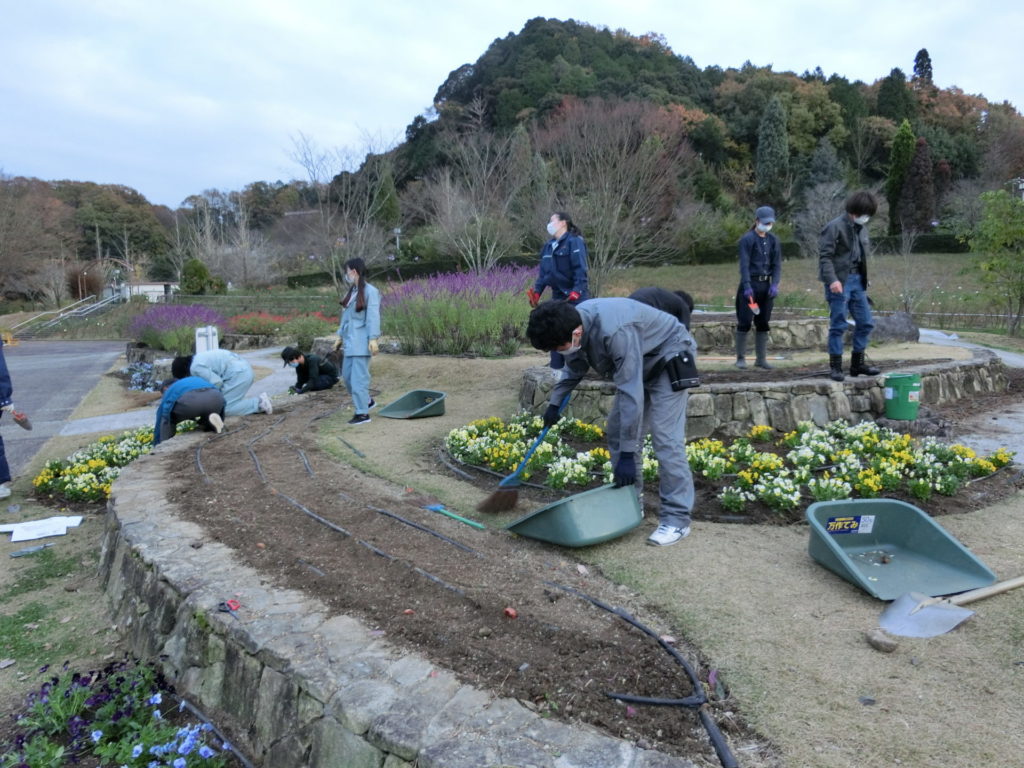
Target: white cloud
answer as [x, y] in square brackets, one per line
[175, 98]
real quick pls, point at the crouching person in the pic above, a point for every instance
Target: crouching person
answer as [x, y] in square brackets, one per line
[649, 355]
[312, 372]
[189, 398]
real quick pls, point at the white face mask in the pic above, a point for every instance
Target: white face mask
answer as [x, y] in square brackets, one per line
[862, 220]
[552, 228]
[349, 280]
[764, 227]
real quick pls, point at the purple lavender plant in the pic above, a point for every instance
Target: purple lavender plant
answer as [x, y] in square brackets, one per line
[478, 289]
[169, 317]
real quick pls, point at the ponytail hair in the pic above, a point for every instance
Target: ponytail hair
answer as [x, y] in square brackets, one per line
[359, 289]
[569, 224]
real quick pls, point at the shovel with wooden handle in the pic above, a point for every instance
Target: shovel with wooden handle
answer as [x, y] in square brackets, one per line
[917, 615]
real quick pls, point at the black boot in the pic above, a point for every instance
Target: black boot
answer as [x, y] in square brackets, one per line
[761, 346]
[858, 366]
[741, 349]
[835, 365]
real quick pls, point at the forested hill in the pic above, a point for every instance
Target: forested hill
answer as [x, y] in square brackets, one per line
[529, 73]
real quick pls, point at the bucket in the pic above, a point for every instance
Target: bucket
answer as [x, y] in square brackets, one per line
[902, 395]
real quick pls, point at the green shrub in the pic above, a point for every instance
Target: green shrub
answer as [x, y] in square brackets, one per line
[304, 328]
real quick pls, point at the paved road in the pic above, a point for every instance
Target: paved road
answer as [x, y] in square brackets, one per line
[50, 379]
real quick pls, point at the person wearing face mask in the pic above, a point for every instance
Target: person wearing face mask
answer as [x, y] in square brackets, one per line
[312, 372]
[563, 267]
[843, 250]
[760, 274]
[649, 355]
[358, 332]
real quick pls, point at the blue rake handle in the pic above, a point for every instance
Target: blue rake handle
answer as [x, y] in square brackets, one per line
[512, 481]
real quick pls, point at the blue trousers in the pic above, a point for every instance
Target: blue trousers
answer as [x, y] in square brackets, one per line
[853, 300]
[5, 470]
[355, 371]
[235, 401]
[665, 419]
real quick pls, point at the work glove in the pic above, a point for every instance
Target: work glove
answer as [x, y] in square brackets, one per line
[533, 296]
[374, 347]
[552, 415]
[749, 295]
[8, 407]
[337, 343]
[625, 470]
[574, 296]
[773, 291]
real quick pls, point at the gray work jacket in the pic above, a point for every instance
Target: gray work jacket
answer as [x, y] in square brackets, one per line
[835, 250]
[623, 340]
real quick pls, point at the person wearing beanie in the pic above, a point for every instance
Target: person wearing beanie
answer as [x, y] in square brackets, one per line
[312, 372]
[760, 256]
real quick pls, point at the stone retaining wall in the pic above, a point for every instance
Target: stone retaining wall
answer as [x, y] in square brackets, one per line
[730, 410]
[294, 686]
[718, 335]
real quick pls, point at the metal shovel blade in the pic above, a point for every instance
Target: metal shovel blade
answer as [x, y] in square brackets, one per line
[903, 617]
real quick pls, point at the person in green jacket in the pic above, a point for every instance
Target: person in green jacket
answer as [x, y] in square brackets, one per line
[312, 372]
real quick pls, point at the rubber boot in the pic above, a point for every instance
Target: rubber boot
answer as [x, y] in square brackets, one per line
[858, 366]
[741, 349]
[761, 345]
[835, 365]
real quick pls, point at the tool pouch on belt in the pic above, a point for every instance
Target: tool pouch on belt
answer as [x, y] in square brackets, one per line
[682, 371]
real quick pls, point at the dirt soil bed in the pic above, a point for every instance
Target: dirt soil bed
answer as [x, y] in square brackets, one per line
[485, 605]
[254, 487]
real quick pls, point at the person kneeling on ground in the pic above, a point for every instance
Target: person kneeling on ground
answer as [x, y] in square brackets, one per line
[227, 372]
[642, 350]
[188, 398]
[312, 372]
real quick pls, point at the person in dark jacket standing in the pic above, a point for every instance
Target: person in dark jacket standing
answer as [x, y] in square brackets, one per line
[679, 304]
[635, 346]
[760, 255]
[843, 250]
[563, 267]
[312, 372]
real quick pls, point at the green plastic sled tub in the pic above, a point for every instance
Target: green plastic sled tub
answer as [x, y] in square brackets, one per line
[591, 517]
[888, 548]
[415, 405]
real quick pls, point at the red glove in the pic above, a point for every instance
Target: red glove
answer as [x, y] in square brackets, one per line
[533, 296]
[573, 297]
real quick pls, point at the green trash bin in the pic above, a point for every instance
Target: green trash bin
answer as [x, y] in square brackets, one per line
[902, 395]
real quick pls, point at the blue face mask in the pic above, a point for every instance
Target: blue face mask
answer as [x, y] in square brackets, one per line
[294, 363]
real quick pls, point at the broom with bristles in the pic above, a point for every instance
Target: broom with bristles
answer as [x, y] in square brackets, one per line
[507, 495]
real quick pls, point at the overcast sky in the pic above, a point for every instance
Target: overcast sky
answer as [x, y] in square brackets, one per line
[172, 98]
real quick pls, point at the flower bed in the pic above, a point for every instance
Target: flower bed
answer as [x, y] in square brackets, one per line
[122, 715]
[783, 475]
[87, 474]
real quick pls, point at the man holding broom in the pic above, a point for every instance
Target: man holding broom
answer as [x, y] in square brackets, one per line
[649, 355]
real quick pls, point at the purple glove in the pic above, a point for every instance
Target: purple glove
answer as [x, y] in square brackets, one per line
[749, 294]
[773, 291]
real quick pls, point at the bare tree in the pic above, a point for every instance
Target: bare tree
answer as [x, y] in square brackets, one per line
[352, 197]
[822, 203]
[619, 168]
[478, 200]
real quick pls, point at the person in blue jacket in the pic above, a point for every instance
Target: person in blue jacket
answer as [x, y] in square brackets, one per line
[760, 254]
[227, 372]
[358, 333]
[6, 406]
[188, 398]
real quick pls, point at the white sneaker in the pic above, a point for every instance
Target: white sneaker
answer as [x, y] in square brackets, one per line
[216, 422]
[666, 535]
[5, 491]
[265, 405]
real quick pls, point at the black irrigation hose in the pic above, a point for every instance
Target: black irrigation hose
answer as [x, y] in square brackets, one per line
[699, 700]
[464, 475]
[314, 515]
[302, 455]
[497, 474]
[425, 529]
[691, 702]
[259, 469]
[352, 448]
[199, 464]
[227, 744]
[437, 580]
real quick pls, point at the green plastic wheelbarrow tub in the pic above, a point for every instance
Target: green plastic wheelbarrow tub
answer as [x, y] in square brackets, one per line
[888, 548]
[415, 405]
[591, 517]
